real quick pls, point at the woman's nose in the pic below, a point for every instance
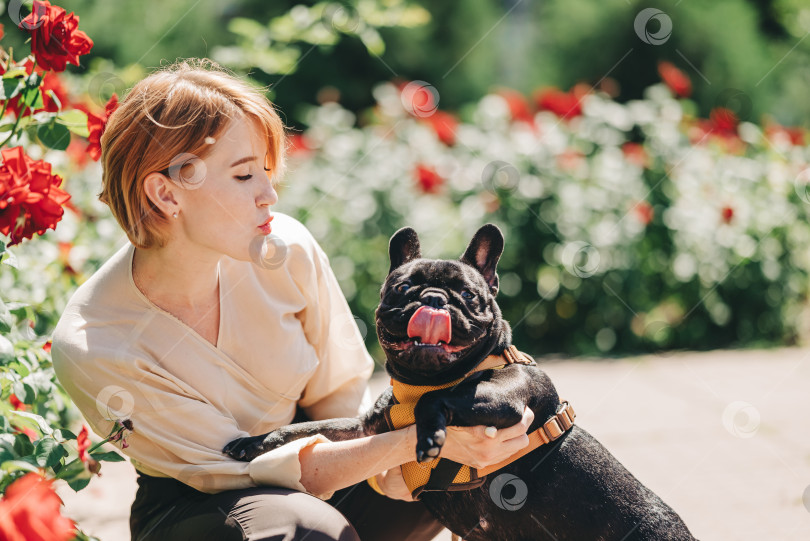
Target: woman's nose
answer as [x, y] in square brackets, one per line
[268, 195]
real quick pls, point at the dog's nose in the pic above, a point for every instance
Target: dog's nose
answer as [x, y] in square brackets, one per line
[434, 298]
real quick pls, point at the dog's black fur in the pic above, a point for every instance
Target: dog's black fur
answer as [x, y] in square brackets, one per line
[577, 490]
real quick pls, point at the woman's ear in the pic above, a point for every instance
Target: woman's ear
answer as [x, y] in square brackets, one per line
[159, 190]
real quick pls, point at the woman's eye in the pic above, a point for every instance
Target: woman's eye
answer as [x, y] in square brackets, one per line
[244, 177]
[467, 294]
[402, 288]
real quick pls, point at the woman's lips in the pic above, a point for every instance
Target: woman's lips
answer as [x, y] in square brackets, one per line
[265, 228]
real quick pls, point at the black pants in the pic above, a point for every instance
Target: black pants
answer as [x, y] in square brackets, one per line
[169, 510]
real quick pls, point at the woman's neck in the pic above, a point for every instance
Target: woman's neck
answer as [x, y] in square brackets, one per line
[177, 279]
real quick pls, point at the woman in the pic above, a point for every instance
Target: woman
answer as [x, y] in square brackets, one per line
[219, 320]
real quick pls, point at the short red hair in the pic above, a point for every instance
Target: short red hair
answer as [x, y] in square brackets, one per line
[171, 112]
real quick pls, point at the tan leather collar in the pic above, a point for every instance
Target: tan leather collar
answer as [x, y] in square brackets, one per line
[510, 355]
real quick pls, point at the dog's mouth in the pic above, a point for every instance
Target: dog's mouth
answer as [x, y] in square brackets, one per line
[428, 329]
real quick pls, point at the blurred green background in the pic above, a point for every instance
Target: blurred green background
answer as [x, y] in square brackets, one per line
[466, 48]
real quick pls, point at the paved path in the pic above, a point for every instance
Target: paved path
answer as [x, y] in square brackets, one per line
[720, 436]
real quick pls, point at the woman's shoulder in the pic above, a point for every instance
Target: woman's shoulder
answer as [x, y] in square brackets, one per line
[101, 304]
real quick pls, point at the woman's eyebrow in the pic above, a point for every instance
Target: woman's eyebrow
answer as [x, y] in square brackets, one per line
[243, 160]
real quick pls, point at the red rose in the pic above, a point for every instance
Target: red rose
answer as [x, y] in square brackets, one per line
[518, 105]
[644, 212]
[794, 135]
[635, 153]
[428, 179]
[562, 104]
[16, 402]
[675, 79]
[29, 511]
[83, 442]
[298, 144]
[445, 126]
[55, 37]
[96, 123]
[30, 198]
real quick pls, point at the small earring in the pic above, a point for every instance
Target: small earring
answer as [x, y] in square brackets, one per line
[174, 215]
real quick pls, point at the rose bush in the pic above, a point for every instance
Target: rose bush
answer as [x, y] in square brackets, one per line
[36, 122]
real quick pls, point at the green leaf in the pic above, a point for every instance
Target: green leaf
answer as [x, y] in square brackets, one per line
[5, 318]
[23, 445]
[10, 259]
[72, 469]
[74, 120]
[78, 484]
[110, 456]
[24, 392]
[54, 135]
[32, 420]
[15, 73]
[6, 453]
[14, 465]
[11, 87]
[63, 434]
[32, 97]
[49, 452]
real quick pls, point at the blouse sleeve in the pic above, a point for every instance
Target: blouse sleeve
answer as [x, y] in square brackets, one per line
[339, 386]
[108, 385]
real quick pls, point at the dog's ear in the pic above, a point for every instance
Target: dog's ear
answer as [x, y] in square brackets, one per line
[483, 253]
[403, 247]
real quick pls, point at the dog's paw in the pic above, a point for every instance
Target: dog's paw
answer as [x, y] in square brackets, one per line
[245, 449]
[429, 447]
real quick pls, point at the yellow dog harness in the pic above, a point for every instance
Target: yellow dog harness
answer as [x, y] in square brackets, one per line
[445, 474]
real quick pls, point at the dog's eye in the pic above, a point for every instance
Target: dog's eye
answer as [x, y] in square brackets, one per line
[467, 294]
[402, 288]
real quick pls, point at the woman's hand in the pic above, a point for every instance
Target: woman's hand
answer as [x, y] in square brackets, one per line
[393, 484]
[471, 446]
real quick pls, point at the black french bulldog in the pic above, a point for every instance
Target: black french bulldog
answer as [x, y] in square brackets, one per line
[437, 320]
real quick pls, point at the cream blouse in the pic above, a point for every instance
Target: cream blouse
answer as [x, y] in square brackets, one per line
[286, 336]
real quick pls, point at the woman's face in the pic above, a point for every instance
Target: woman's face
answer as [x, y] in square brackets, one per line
[228, 197]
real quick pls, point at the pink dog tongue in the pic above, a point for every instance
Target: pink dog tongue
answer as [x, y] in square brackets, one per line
[430, 325]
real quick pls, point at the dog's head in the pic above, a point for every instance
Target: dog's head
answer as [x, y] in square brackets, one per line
[437, 319]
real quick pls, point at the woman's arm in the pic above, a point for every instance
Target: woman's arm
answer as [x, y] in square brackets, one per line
[330, 466]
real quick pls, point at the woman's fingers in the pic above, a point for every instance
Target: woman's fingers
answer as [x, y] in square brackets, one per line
[516, 430]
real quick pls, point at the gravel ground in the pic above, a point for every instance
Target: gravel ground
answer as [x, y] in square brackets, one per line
[720, 436]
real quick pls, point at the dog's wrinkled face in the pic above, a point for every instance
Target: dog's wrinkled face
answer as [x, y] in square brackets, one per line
[438, 318]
